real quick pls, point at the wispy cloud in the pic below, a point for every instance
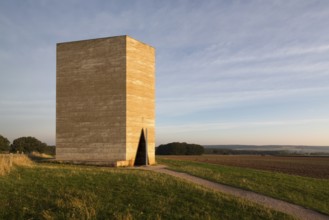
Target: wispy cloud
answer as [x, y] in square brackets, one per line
[211, 55]
[177, 106]
[218, 126]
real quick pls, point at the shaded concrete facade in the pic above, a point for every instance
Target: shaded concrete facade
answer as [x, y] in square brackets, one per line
[105, 103]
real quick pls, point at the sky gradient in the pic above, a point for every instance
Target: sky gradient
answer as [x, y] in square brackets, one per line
[227, 72]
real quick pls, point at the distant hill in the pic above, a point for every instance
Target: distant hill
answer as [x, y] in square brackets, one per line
[290, 148]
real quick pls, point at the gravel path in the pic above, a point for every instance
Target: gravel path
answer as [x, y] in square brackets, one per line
[275, 204]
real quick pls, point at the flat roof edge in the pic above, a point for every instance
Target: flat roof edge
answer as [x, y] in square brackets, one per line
[102, 38]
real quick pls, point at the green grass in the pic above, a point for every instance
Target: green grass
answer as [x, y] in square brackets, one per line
[308, 192]
[54, 191]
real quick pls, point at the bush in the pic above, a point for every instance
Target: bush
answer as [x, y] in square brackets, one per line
[4, 144]
[50, 150]
[177, 148]
[27, 145]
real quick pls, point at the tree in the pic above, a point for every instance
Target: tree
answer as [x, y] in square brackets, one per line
[28, 145]
[177, 148]
[4, 144]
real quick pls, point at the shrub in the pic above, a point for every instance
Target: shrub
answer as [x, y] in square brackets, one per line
[177, 148]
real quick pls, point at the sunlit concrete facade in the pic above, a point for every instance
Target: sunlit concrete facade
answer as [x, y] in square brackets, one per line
[105, 104]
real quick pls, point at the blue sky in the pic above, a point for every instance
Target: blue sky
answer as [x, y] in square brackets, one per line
[228, 72]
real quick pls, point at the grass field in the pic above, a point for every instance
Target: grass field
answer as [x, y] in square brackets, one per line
[54, 191]
[317, 167]
[308, 192]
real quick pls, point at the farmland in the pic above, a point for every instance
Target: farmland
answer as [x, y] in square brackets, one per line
[317, 167]
[57, 191]
[305, 191]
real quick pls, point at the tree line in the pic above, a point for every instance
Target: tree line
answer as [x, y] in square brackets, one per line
[25, 145]
[177, 148]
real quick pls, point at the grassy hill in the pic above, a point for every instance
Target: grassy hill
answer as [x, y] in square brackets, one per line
[305, 191]
[54, 191]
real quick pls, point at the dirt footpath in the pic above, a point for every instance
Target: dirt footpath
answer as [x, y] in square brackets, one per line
[275, 204]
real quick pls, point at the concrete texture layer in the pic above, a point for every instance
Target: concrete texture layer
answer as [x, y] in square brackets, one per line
[275, 204]
[140, 88]
[105, 98]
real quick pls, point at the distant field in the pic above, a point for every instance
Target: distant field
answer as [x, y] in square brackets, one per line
[53, 191]
[317, 167]
[305, 191]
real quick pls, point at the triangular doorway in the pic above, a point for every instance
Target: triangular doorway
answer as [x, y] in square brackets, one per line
[140, 159]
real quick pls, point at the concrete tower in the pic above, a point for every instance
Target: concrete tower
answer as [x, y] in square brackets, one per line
[105, 104]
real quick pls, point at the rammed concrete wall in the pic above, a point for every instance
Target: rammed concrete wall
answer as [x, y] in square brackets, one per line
[140, 90]
[105, 97]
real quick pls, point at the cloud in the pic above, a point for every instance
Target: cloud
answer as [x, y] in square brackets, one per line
[211, 55]
[202, 127]
[180, 106]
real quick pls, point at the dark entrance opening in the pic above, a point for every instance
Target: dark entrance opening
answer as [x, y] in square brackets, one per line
[140, 159]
